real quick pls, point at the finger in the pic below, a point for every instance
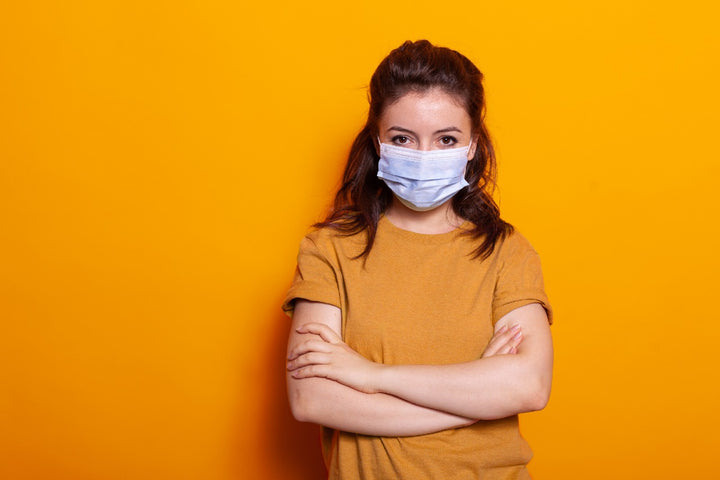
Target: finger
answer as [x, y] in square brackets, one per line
[505, 334]
[311, 371]
[503, 340]
[497, 334]
[494, 342]
[500, 338]
[322, 330]
[312, 358]
[505, 349]
[511, 346]
[517, 340]
[513, 331]
[309, 346]
[325, 332]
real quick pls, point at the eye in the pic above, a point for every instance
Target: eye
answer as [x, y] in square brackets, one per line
[448, 141]
[400, 140]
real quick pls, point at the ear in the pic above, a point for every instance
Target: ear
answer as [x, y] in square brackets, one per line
[473, 147]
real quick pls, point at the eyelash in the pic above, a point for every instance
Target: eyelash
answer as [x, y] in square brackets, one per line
[452, 140]
[447, 140]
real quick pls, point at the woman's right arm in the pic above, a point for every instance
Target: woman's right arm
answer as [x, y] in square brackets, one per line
[329, 403]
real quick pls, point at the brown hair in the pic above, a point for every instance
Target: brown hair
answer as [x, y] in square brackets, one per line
[362, 197]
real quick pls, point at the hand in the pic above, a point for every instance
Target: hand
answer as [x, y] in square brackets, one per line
[504, 342]
[325, 355]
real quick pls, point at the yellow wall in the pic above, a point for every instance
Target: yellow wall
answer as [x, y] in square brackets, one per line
[160, 161]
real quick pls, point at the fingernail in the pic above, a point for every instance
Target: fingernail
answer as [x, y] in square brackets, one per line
[516, 327]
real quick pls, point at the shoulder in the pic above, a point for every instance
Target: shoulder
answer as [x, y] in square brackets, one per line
[514, 247]
[329, 236]
[514, 242]
[331, 242]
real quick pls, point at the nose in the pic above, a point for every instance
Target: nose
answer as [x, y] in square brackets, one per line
[425, 146]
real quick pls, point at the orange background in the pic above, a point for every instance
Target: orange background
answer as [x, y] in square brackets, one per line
[160, 161]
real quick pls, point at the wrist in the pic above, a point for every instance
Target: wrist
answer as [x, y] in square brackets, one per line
[382, 380]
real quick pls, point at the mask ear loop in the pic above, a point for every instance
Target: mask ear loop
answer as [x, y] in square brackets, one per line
[470, 147]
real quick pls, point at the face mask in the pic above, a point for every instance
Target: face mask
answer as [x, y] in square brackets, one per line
[423, 180]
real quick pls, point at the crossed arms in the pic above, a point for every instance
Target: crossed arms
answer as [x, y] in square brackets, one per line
[330, 384]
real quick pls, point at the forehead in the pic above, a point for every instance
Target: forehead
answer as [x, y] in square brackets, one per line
[431, 108]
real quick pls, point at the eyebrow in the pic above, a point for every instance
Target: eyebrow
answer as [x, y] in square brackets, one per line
[443, 130]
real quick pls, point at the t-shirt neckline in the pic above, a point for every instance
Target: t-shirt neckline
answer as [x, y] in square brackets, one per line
[427, 238]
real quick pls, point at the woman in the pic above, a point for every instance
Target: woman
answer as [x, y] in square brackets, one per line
[420, 323]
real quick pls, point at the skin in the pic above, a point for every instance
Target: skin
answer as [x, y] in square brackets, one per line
[432, 120]
[330, 384]
[514, 380]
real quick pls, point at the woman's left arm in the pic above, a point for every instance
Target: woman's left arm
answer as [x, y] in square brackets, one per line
[485, 389]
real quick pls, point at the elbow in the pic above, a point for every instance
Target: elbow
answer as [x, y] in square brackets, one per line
[538, 395]
[298, 411]
[530, 395]
[301, 413]
[300, 407]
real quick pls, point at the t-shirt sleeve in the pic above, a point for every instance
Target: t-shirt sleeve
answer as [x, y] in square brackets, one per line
[315, 278]
[520, 279]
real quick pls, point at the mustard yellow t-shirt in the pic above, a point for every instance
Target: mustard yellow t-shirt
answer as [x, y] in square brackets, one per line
[421, 299]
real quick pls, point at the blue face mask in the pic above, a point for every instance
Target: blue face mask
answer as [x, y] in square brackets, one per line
[423, 180]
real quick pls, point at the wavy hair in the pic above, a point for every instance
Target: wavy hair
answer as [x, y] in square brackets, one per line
[416, 67]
